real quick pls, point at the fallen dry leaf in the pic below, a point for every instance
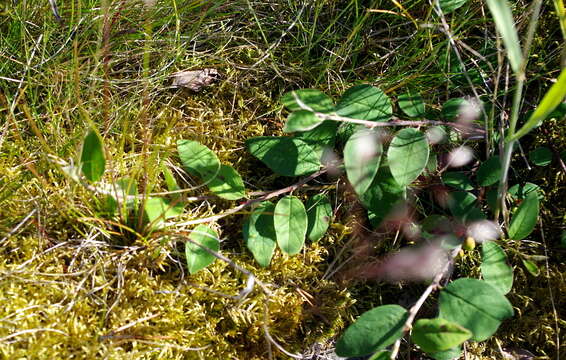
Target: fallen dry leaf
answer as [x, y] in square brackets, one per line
[195, 79]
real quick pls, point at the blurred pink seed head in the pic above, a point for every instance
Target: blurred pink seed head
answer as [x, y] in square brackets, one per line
[484, 230]
[460, 156]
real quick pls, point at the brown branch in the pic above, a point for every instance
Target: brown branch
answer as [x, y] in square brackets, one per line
[250, 202]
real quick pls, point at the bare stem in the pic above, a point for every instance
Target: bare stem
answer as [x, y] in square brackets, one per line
[415, 308]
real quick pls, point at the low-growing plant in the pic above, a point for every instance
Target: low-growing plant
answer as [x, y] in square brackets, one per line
[391, 173]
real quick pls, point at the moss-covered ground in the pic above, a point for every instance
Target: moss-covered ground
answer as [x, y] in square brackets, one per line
[77, 282]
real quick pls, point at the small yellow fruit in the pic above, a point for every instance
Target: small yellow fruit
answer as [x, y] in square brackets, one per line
[469, 244]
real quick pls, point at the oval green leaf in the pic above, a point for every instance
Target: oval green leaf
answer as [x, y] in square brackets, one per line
[407, 155]
[412, 104]
[319, 214]
[434, 335]
[308, 99]
[198, 160]
[285, 156]
[531, 267]
[301, 120]
[365, 102]
[259, 233]
[524, 218]
[489, 172]
[494, 267]
[93, 161]
[290, 222]
[475, 305]
[362, 155]
[382, 196]
[541, 156]
[457, 180]
[197, 257]
[227, 184]
[372, 331]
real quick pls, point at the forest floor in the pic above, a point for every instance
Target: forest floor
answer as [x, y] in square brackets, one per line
[81, 279]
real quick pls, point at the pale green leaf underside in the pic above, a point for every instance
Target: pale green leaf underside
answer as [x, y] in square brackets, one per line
[319, 213]
[407, 155]
[301, 120]
[434, 335]
[362, 156]
[494, 267]
[259, 233]
[290, 222]
[197, 257]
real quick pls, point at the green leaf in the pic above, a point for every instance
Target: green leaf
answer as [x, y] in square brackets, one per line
[494, 268]
[475, 305]
[434, 335]
[158, 210]
[412, 104]
[290, 221]
[521, 191]
[541, 156]
[382, 196]
[462, 205]
[285, 156]
[301, 120]
[92, 157]
[407, 155]
[362, 155]
[197, 257]
[432, 164]
[489, 172]
[506, 26]
[259, 233]
[365, 102]
[448, 6]
[381, 355]
[308, 99]
[524, 218]
[321, 137]
[372, 331]
[227, 184]
[451, 354]
[531, 267]
[198, 160]
[170, 179]
[452, 108]
[457, 180]
[319, 214]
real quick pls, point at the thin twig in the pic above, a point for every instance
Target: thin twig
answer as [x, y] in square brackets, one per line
[239, 208]
[415, 308]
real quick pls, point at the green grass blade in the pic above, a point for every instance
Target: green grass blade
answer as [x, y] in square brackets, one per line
[549, 102]
[504, 22]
